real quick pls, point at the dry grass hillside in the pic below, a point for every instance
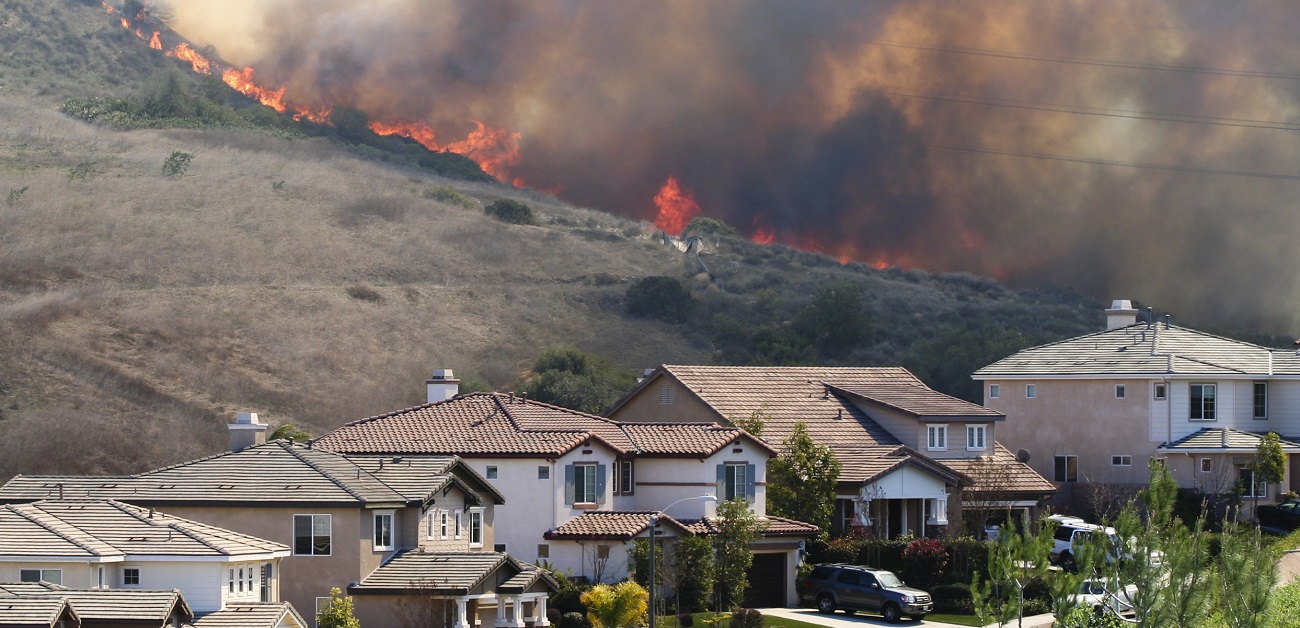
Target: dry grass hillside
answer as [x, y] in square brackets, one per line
[314, 283]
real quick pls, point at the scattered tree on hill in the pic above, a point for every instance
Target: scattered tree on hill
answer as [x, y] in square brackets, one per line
[576, 380]
[946, 361]
[801, 481]
[835, 321]
[289, 431]
[511, 211]
[661, 298]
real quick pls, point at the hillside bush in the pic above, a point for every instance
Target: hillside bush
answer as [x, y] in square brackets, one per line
[453, 166]
[446, 194]
[577, 380]
[511, 211]
[661, 298]
[177, 163]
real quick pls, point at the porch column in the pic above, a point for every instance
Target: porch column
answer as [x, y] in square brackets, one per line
[460, 613]
[516, 612]
[501, 612]
[539, 609]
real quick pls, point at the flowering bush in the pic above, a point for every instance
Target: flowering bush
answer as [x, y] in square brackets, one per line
[923, 562]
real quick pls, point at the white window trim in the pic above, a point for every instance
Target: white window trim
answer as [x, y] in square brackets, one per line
[543, 472]
[374, 532]
[1202, 463]
[1121, 458]
[476, 513]
[40, 574]
[982, 431]
[1031, 391]
[1121, 391]
[1066, 479]
[459, 525]
[293, 533]
[580, 469]
[1215, 386]
[444, 524]
[737, 475]
[934, 434]
[139, 576]
[1253, 415]
[995, 391]
[1160, 391]
[491, 472]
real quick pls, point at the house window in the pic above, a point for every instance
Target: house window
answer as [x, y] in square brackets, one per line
[602, 552]
[52, 576]
[1207, 465]
[491, 472]
[1249, 487]
[384, 530]
[1066, 469]
[1201, 406]
[457, 525]
[499, 548]
[240, 579]
[101, 579]
[130, 576]
[994, 391]
[975, 437]
[230, 581]
[666, 394]
[936, 437]
[543, 551]
[1121, 461]
[1031, 391]
[849, 514]
[625, 477]
[443, 516]
[311, 535]
[1158, 392]
[1119, 391]
[543, 472]
[1261, 400]
[584, 483]
[322, 605]
[736, 481]
[476, 527]
[266, 582]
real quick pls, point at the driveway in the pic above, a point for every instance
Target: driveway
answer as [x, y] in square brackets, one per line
[840, 620]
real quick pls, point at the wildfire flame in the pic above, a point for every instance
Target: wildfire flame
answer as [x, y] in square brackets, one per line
[676, 207]
[183, 52]
[242, 82]
[155, 42]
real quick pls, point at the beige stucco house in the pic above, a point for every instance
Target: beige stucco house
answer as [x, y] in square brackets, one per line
[911, 456]
[1096, 408]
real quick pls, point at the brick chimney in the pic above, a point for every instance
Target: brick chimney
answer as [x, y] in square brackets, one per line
[246, 431]
[442, 386]
[1121, 314]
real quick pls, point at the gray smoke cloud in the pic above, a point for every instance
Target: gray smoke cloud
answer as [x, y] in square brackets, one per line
[946, 135]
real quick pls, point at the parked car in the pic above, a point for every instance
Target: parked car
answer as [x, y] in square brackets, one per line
[1071, 533]
[853, 588]
[1094, 594]
[1284, 517]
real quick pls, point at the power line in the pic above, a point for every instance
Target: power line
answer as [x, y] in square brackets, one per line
[1097, 111]
[1109, 162]
[1093, 62]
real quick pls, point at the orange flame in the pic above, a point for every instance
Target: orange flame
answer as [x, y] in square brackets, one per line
[422, 133]
[155, 42]
[764, 236]
[125, 24]
[183, 52]
[242, 82]
[496, 150]
[676, 207]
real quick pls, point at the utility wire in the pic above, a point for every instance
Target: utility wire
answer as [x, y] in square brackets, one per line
[1097, 111]
[1109, 162]
[1093, 62]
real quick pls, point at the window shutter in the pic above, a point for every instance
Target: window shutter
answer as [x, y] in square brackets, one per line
[722, 483]
[749, 483]
[600, 483]
[569, 485]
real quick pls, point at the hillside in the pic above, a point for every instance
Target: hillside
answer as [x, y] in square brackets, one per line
[316, 283]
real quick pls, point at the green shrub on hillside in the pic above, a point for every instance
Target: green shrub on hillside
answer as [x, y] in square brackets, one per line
[662, 298]
[511, 211]
[702, 225]
[454, 166]
[577, 380]
[446, 194]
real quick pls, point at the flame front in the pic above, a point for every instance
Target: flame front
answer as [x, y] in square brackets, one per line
[242, 82]
[676, 207]
[183, 52]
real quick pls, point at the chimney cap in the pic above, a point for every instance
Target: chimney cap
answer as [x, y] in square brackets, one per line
[247, 418]
[442, 374]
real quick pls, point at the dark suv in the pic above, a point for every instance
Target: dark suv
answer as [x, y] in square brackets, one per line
[856, 588]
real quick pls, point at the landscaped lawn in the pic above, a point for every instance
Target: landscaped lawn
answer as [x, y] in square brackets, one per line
[705, 620]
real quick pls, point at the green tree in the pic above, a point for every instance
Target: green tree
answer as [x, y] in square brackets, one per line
[289, 431]
[946, 361]
[755, 422]
[574, 379]
[660, 298]
[1269, 465]
[339, 612]
[1247, 576]
[738, 528]
[617, 606]
[1017, 559]
[511, 211]
[835, 321]
[801, 480]
[688, 572]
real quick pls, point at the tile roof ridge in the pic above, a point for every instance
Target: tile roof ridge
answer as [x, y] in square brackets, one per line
[337, 482]
[15, 508]
[384, 415]
[175, 525]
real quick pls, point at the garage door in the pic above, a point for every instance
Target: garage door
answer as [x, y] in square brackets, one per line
[766, 581]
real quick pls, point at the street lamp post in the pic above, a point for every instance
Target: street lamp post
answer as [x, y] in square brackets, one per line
[654, 520]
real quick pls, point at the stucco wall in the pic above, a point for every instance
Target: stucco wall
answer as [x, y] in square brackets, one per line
[645, 406]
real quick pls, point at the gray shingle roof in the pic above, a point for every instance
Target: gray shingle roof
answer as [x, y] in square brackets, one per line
[1226, 439]
[1146, 350]
[497, 424]
[253, 615]
[105, 528]
[125, 604]
[921, 402]
[34, 611]
[440, 573]
[272, 474]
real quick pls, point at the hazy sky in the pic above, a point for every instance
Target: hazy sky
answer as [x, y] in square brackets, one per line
[1132, 149]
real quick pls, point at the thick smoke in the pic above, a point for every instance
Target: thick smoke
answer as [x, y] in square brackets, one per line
[948, 135]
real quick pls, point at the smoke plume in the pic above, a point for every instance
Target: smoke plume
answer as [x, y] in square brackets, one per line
[1130, 148]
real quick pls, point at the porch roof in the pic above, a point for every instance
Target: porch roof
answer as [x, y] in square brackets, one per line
[1225, 440]
[413, 572]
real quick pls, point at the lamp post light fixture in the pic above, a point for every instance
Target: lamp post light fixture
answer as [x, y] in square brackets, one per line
[654, 520]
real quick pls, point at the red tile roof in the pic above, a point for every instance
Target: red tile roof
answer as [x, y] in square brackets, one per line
[627, 524]
[498, 424]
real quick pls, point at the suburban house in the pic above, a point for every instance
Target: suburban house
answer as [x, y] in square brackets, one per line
[911, 456]
[107, 608]
[581, 488]
[1096, 408]
[106, 544]
[342, 521]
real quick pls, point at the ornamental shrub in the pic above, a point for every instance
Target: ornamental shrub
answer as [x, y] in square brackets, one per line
[923, 562]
